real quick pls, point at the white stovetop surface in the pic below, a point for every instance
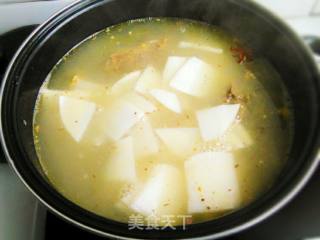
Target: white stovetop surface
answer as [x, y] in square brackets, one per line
[21, 216]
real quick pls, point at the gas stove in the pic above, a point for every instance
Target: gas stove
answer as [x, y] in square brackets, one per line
[22, 217]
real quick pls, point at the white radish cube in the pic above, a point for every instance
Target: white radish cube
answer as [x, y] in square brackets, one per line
[195, 78]
[95, 134]
[213, 122]
[167, 99]
[128, 192]
[140, 102]
[89, 89]
[121, 164]
[211, 182]
[51, 103]
[237, 137]
[144, 140]
[179, 140]
[162, 194]
[130, 110]
[172, 66]
[150, 78]
[121, 116]
[76, 115]
[126, 83]
[200, 47]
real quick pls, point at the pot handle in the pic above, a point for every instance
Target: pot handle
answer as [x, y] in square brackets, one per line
[314, 43]
[9, 44]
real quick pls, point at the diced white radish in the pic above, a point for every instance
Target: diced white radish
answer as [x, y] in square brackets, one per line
[179, 140]
[129, 191]
[121, 165]
[140, 102]
[195, 78]
[126, 83]
[121, 116]
[89, 88]
[123, 110]
[213, 122]
[211, 182]
[237, 137]
[49, 103]
[144, 140]
[76, 115]
[96, 130]
[172, 66]
[86, 86]
[149, 79]
[167, 99]
[162, 194]
[200, 47]
[73, 93]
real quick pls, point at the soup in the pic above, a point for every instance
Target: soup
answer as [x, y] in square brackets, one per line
[162, 117]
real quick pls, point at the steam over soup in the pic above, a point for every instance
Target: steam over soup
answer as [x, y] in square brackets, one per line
[162, 117]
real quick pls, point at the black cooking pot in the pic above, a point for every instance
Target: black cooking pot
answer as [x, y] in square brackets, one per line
[267, 37]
